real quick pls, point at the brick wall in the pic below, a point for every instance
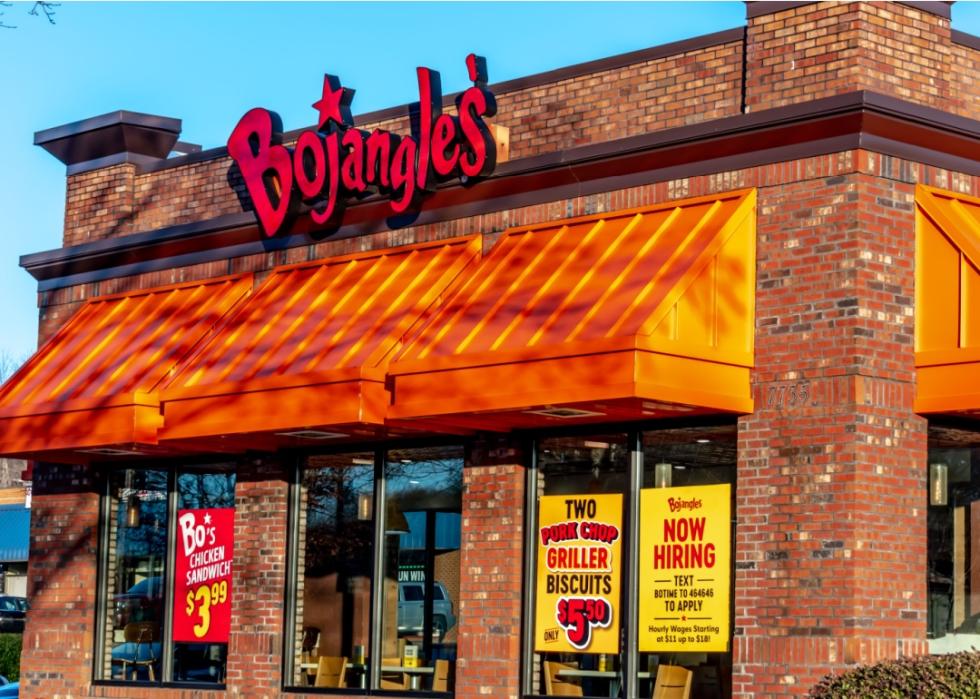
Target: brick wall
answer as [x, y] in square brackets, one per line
[490, 588]
[255, 647]
[827, 48]
[964, 85]
[60, 634]
[831, 542]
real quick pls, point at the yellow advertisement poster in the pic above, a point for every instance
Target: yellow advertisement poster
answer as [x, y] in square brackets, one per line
[579, 567]
[685, 569]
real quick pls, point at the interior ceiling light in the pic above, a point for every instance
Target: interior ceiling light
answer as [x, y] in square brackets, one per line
[362, 462]
[563, 413]
[312, 434]
[595, 445]
[651, 405]
[703, 441]
[104, 451]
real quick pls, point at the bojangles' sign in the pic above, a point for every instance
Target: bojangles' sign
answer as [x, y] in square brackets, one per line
[336, 161]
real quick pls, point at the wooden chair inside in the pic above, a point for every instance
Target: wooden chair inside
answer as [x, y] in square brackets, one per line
[393, 680]
[556, 686]
[330, 671]
[440, 678]
[673, 682]
[142, 634]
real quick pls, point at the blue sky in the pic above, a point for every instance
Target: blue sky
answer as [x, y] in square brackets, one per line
[208, 63]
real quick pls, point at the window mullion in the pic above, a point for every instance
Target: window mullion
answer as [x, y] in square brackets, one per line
[377, 572]
[167, 646]
[292, 573]
[102, 585]
[630, 653]
[530, 569]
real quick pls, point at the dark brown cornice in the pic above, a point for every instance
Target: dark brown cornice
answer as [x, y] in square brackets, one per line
[964, 39]
[935, 7]
[855, 120]
[756, 8]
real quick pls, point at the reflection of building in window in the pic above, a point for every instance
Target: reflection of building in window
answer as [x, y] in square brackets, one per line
[396, 630]
[954, 538]
[15, 523]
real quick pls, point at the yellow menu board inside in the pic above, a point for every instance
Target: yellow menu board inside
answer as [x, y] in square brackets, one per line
[685, 569]
[578, 577]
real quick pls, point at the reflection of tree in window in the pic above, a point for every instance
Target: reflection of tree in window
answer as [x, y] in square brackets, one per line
[199, 491]
[337, 533]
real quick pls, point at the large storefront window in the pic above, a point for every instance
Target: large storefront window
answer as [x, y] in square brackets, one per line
[397, 512]
[631, 561]
[954, 539]
[166, 605]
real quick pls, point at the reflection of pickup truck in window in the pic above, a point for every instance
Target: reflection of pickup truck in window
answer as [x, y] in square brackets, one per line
[411, 605]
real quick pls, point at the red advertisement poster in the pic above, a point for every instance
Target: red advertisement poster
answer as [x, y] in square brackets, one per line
[202, 588]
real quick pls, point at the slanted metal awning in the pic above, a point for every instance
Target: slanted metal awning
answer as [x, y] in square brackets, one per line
[304, 359]
[91, 389]
[947, 302]
[625, 315]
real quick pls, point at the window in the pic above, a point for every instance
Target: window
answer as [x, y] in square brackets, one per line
[376, 591]
[953, 498]
[166, 575]
[630, 561]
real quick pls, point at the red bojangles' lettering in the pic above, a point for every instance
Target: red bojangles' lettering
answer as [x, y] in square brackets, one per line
[336, 161]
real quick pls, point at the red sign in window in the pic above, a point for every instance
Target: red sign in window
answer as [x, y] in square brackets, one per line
[202, 589]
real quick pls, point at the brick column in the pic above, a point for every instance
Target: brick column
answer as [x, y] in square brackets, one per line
[831, 543]
[256, 644]
[490, 590]
[60, 636]
[822, 49]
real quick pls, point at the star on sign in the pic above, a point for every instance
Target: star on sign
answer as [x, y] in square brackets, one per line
[334, 104]
[207, 518]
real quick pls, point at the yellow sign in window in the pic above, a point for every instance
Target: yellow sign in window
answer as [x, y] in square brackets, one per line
[685, 569]
[579, 567]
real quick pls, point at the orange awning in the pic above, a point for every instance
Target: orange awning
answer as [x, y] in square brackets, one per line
[947, 302]
[304, 358]
[632, 314]
[92, 387]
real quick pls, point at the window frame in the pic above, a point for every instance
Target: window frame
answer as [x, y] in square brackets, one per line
[295, 462]
[952, 641]
[631, 518]
[173, 468]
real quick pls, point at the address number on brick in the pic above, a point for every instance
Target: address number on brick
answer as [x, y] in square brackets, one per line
[789, 395]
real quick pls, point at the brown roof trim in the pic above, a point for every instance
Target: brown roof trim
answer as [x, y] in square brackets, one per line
[675, 48]
[845, 122]
[758, 8]
[933, 7]
[142, 137]
[963, 39]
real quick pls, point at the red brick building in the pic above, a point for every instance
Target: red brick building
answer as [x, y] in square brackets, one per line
[755, 274]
